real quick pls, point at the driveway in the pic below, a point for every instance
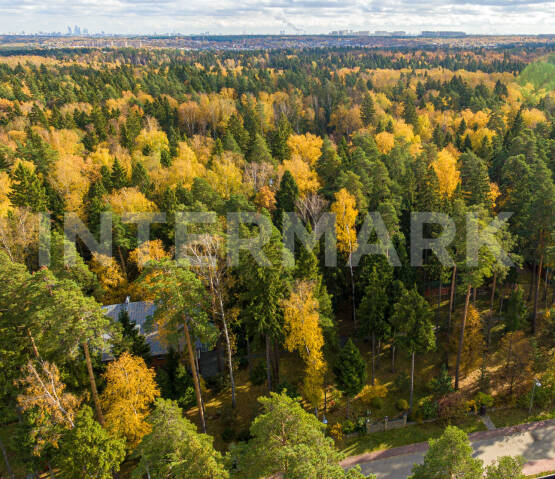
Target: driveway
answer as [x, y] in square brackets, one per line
[534, 441]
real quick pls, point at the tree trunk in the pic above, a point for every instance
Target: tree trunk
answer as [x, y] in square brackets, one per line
[229, 360]
[490, 318]
[532, 281]
[373, 357]
[92, 380]
[461, 337]
[6, 460]
[275, 363]
[438, 300]
[194, 371]
[249, 365]
[393, 358]
[536, 296]
[123, 268]
[451, 300]
[411, 380]
[546, 286]
[268, 364]
[353, 293]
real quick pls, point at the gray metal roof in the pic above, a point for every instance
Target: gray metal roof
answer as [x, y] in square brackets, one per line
[139, 312]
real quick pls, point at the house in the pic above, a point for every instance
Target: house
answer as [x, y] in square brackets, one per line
[208, 358]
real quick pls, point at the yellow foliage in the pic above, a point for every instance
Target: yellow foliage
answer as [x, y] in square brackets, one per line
[308, 147]
[5, 203]
[68, 177]
[54, 409]
[225, 177]
[336, 431]
[346, 213]
[494, 193]
[532, 117]
[183, 170]
[369, 392]
[130, 391]
[109, 275]
[130, 200]
[385, 142]
[477, 137]
[473, 344]
[265, 198]
[148, 251]
[400, 128]
[424, 127]
[65, 142]
[304, 335]
[306, 178]
[153, 140]
[101, 157]
[473, 120]
[445, 167]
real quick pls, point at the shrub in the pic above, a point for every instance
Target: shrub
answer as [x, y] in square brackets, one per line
[471, 406]
[370, 393]
[402, 405]
[428, 408]
[376, 403]
[336, 431]
[452, 406]
[348, 427]
[483, 399]
[443, 384]
[258, 374]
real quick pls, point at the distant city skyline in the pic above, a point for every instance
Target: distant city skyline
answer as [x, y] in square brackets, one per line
[276, 16]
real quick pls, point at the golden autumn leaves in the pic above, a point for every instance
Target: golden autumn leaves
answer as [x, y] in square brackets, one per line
[130, 391]
[304, 335]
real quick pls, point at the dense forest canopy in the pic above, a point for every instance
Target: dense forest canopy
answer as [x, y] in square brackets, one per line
[343, 131]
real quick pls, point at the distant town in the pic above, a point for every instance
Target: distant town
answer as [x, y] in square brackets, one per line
[78, 37]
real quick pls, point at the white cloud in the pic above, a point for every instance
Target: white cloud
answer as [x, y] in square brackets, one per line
[271, 16]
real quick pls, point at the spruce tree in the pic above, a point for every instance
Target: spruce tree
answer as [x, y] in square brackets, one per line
[27, 190]
[350, 371]
[286, 198]
[367, 110]
[118, 176]
[259, 152]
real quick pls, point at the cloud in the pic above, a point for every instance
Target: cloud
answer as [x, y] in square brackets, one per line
[271, 16]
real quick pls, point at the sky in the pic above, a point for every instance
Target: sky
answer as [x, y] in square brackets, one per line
[274, 16]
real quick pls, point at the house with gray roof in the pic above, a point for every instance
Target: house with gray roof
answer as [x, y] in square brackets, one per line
[140, 312]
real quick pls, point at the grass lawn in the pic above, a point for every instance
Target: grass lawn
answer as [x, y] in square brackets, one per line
[543, 474]
[400, 437]
[514, 416]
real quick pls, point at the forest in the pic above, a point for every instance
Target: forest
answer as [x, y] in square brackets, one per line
[311, 358]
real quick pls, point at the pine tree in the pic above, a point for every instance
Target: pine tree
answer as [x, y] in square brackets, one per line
[140, 178]
[118, 176]
[449, 456]
[409, 113]
[88, 452]
[286, 197]
[278, 139]
[367, 110]
[350, 371]
[27, 189]
[174, 449]
[259, 152]
[413, 325]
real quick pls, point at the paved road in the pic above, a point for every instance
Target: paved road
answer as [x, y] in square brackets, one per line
[535, 442]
